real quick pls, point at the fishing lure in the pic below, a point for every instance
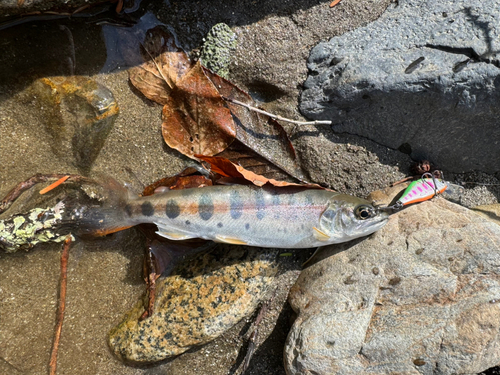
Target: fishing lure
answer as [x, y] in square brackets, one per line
[426, 188]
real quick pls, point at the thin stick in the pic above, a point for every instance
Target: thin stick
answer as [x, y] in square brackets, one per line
[276, 117]
[53, 185]
[32, 181]
[253, 336]
[150, 268]
[62, 305]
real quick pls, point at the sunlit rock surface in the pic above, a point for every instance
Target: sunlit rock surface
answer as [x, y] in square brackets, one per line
[421, 295]
[196, 304]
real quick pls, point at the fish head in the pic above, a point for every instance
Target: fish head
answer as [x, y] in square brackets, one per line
[348, 217]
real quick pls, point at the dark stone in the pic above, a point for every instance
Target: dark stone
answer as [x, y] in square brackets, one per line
[423, 78]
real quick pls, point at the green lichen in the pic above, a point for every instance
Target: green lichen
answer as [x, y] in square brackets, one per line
[37, 226]
[216, 52]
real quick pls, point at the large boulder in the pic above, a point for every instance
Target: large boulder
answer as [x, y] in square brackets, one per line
[421, 295]
[423, 78]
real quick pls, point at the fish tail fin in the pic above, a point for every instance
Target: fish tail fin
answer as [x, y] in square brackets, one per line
[101, 212]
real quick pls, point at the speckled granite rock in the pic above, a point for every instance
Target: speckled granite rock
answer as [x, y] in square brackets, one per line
[196, 304]
[423, 78]
[490, 211]
[419, 296]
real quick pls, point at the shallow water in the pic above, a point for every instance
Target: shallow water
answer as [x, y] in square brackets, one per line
[104, 276]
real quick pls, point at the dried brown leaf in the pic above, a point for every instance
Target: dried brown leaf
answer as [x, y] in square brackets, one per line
[240, 154]
[165, 64]
[195, 117]
[226, 168]
[259, 132]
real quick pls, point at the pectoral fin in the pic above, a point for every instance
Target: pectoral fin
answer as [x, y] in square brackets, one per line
[229, 240]
[320, 236]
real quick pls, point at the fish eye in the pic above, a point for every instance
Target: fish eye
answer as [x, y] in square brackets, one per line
[364, 212]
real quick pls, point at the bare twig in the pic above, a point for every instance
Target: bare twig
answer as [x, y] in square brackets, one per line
[253, 336]
[32, 181]
[276, 117]
[62, 305]
[150, 276]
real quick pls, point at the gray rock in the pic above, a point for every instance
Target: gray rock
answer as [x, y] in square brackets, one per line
[422, 78]
[419, 296]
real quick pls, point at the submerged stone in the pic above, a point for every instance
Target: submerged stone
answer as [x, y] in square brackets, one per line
[196, 304]
[78, 113]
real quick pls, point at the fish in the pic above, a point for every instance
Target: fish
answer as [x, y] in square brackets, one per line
[272, 217]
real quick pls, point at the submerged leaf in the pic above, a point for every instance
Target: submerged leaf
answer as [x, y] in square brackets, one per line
[165, 64]
[195, 117]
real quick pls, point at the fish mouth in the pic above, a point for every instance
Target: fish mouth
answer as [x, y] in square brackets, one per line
[379, 221]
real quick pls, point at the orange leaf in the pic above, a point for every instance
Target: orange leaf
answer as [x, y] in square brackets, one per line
[228, 169]
[178, 183]
[257, 131]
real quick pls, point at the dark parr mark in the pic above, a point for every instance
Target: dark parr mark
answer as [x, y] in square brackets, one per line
[260, 204]
[219, 225]
[128, 210]
[235, 204]
[172, 209]
[247, 226]
[147, 209]
[205, 207]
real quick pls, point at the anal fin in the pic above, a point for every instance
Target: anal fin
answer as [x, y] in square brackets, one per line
[173, 233]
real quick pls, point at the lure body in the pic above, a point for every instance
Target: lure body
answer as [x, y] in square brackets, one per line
[289, 217]
[422, 190]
